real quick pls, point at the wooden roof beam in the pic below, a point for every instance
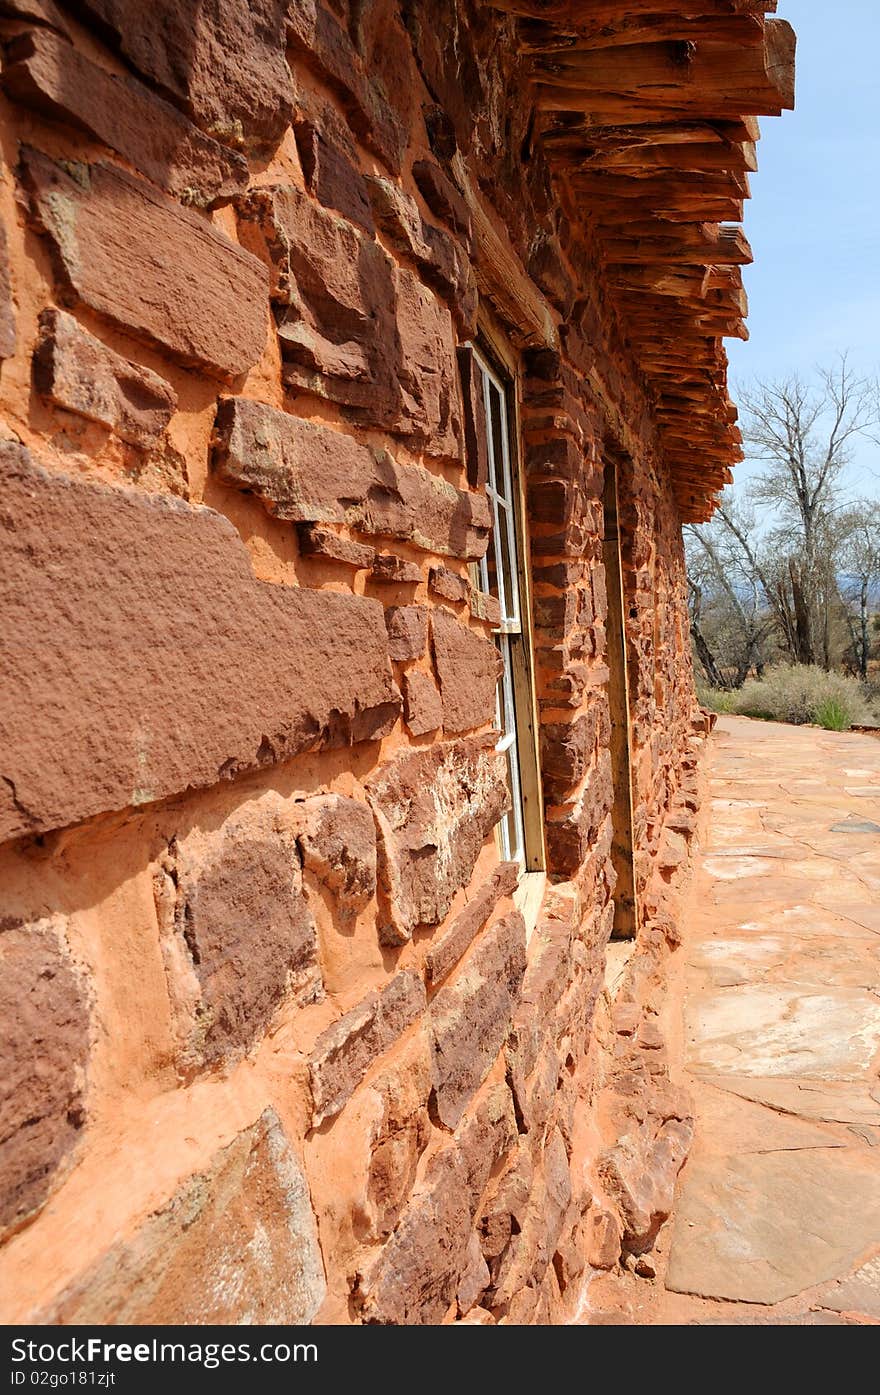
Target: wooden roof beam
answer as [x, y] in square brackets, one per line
[715, 77]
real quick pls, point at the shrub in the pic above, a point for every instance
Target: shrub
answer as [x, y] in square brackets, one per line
[716, 699]
[800, 693]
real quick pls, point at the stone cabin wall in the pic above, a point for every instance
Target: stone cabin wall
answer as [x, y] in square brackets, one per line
[278, 1043]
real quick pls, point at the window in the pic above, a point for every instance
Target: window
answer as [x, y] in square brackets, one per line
[500, 574]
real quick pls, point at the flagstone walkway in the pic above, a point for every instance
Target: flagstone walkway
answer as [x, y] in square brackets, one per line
[774, 1016]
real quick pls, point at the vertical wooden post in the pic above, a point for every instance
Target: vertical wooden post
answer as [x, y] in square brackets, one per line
[626, 909]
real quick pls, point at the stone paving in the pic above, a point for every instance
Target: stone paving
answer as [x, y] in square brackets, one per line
[775, 1019]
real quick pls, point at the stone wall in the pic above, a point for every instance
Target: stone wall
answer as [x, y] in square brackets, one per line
[277, 1043]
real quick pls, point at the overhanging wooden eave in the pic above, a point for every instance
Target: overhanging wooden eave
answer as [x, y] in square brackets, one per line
[647, 114]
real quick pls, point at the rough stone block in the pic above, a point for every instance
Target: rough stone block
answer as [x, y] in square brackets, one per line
[337, 842]
[471, 1015]
[602, 1238]
[505, 1209]
[48, 74]
[434, 809]
[197, 1260]
[415, 1277]
[570, 838]
[330, 164]
[528, 1257]
[407, 627]
[345, 1052]
[400, 1137]
[485, 607]
[474, 1279]
[442, 197]
[223, 62]
[391, 570]
[448, 584]
[44, 1045]
[238, 937]
[354, 326]
[36, 12]
[422, 705]
[305, 471]
[76, 371]
[317, 36]
[468, 667]
[639, 1174]
[146, 610]
[147, 264]
[470, 919]
[440, 261]
[7, 303]
[317, 541]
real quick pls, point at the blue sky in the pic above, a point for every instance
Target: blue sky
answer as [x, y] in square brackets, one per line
[814, 216]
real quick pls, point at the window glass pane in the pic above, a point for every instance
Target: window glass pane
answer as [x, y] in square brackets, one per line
[488, 391]
[507, 565]
[494, 573]
[496, 421]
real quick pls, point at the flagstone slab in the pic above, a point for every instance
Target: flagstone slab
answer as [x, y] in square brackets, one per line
[865, 914]
[730, 1124]
[734, 960]
[732, 868]
[783, 1029]
[763, 1227]
[833, 1102]
[859, 1293]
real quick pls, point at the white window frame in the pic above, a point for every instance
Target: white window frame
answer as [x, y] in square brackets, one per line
[520, 839]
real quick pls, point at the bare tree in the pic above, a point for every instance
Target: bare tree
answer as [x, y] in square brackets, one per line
[726, 580]
[860, 565]
[804, 436]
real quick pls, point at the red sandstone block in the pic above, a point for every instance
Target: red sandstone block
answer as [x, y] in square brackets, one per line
[194, 1260]
[407, 627]
[442, 197]
[391, 570]
[471, 1015]
[475, 431]
[7, 304]
[336, 837]
[440, 260]
[345, 1052]
[223, 63]
[154, 268]
[305, 471]
[330, 164]
[47, 73]
[354, 326]
[422, 704]
[468, 666]
[566, 750]
[146, 610]
[415, 1278]
[44, 1048]
[238, 936]
[434, 808]
[76, 371]
[524, 1265]
[36, 12]
[317, 541]
[449, 584]
[322, 43]
[470, 919]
